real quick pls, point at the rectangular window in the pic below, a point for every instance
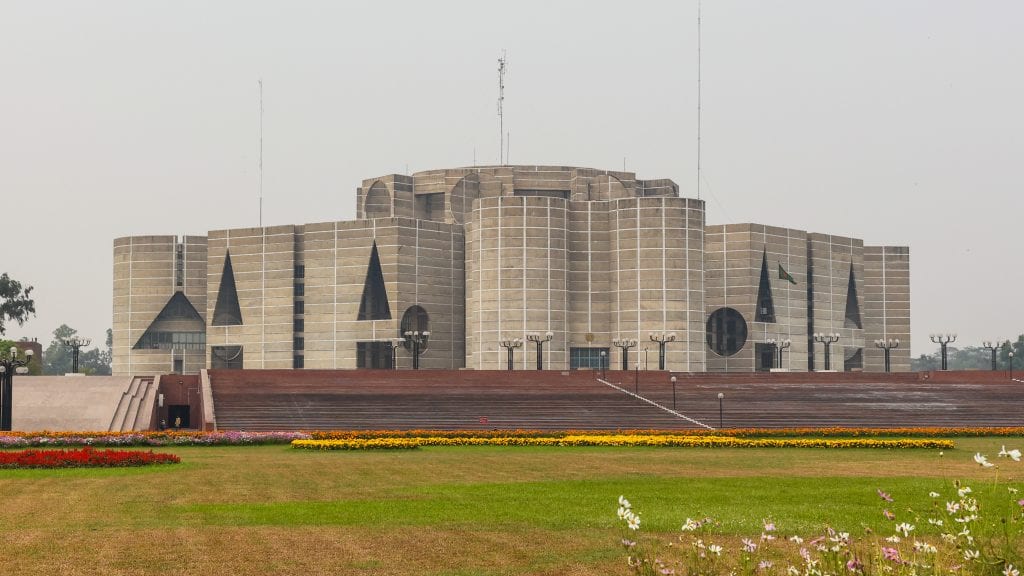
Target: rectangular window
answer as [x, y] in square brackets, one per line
[587, 358]
[376, 355]
[300, 289]
[226, 357]
[300, 325]
[299, 343]
[300, 307]
[300, 271]
[298, 361]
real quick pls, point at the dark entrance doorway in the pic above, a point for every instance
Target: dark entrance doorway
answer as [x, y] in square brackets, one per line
[765, 356]
[175, 411]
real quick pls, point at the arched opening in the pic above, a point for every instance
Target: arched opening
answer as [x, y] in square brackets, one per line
[377, 203]
[415, 319]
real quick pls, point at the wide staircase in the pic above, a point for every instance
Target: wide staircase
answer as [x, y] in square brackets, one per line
[436, 399]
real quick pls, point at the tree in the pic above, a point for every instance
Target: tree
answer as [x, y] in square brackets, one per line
[58, 356]
[973, 357]
[15, 303]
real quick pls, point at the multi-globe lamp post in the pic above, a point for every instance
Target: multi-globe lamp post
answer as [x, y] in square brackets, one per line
[76, 343]
[993, 346]
[510, 344]
[540, 339]
[780, 347]
[625, 344]
[887, 347]
[943, 340]
[828, 340]
[395, 343]
[8, 366]
[418, 342]
[662, 339]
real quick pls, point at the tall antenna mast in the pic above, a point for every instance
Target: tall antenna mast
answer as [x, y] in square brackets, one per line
[698, 99]
[501, 108]
[260, 170]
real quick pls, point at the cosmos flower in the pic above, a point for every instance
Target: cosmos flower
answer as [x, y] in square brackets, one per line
[983, 461]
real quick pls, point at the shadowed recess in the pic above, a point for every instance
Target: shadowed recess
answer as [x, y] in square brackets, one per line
[227, 311]
[374, 304]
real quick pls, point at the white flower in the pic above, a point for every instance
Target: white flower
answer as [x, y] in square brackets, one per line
[982, 460]
[904, 528]
[1010, 571]
[893, 539]
[924, 547]
[796, 539]
[971, 554]
[952, 507]
[634, 522]
[690, 525]
[935, 522]
[1014, 454]
[715, 549]
[793, 571]
[622, 512]
[624, 503]
[964, 491]
[933, 494]
[749, 545]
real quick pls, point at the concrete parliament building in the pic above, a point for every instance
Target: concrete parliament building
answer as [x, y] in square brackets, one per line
[478, 255]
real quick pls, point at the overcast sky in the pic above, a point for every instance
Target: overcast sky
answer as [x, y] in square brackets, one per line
[899, 122]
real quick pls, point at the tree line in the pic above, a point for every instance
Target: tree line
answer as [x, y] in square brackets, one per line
[972, 357]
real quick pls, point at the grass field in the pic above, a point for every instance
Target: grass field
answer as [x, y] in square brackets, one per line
[445, 510]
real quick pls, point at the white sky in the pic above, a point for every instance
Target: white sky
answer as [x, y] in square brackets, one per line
[899, 122]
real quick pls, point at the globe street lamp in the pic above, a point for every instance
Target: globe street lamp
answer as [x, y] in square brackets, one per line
[827, 340]
[662, 339]
[511, 344]
[721, 398]
[604, 358]
[1010, 355]
[418, 342]
[673, 380]
[943, 340]
[540, 339]
[625, 344]
[395, 343]
[887, 347]
[75, 343]
[993, 347]
[8, 366]
[780, 347]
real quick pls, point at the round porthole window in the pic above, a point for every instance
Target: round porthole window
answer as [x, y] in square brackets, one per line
[726, 331]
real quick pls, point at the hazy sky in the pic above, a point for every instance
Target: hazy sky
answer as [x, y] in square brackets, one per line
[898, 122]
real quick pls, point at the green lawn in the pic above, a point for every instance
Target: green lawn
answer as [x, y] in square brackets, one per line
[448, 510]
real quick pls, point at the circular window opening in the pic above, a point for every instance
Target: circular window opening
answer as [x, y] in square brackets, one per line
[726, 331]
[415, 319]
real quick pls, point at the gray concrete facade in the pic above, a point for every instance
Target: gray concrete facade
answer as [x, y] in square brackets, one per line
[478, 255]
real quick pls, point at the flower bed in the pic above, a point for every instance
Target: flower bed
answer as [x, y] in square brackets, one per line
[162, 438]
[618, 440]
[83, 458]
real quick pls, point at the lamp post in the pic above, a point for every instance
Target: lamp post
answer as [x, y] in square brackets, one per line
[721, 410]
[636, 379]
[418, 341]
[8, 366]
[887, 347]
[511, 344]
[662, 339]
[604, 358]
[75, 343]
[943, 340]
[540, 339]
[625, 344]
[395, 343]
[827, 340]
[993, 347]
[673, 380]
[1010, 355]
[780, 346]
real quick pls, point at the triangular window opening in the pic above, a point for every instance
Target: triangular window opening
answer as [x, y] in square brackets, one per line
[227, 311]
[765, 306]
[178, 326]
[374, 304]
[852, 308]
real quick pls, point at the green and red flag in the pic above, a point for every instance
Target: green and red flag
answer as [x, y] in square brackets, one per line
[783, 275]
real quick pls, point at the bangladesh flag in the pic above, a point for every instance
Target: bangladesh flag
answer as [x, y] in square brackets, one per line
[783, 275]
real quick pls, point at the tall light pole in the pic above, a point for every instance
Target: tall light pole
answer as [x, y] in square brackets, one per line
[721, 409]
[636, 379]
[673, 380]
[887, 347]
[8, 366]
[994, 347]
[75, 343]
[395, 343]
[827, 340]
[943, 341]
[540, 339]
[511, 344]
[625, 344]
[1010, 356]
[662, 339]
[418, 342]
[780, 346]
[604, 358]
